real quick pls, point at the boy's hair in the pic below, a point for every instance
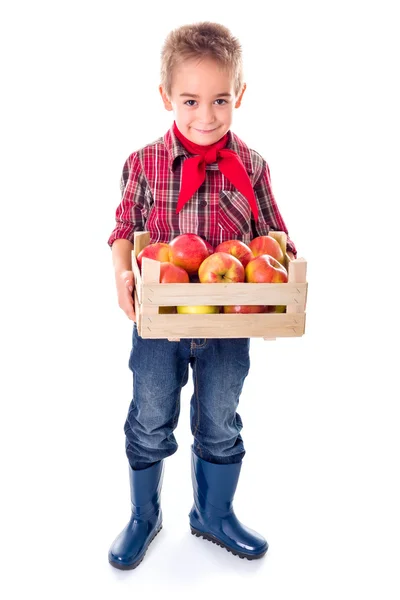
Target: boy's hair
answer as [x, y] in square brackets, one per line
[201, 40]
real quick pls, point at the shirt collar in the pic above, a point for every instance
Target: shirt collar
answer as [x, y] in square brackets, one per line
[175, 149]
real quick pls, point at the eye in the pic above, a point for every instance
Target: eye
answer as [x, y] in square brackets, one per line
[187, 102]
[221, 101]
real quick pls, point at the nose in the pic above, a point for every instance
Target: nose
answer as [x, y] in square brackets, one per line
[205, 114]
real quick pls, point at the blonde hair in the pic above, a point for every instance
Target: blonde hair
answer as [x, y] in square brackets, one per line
[201, 40]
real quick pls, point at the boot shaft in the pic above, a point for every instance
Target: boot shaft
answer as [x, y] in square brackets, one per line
[214, 485]
[145, 485]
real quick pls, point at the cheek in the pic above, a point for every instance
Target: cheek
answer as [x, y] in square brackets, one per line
[227, 118]
[181, 114]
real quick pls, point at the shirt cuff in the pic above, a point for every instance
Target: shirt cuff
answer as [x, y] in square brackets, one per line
[122, 231]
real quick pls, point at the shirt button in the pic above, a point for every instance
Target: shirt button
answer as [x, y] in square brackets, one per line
[203, 203]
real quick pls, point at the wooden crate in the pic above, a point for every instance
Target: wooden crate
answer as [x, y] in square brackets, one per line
[150, 295]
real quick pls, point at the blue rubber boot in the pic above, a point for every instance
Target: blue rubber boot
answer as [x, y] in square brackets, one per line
[212, 515]
[129, 548]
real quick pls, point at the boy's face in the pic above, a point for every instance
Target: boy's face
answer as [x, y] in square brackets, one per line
[202, 99]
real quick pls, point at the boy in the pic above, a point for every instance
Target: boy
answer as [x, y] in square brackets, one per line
[198, 178]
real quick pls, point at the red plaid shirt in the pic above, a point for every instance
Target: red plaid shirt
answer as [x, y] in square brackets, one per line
[150, 186]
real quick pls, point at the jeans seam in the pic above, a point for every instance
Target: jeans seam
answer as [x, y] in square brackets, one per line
[176, 416]
[194, 345]
[196, 395]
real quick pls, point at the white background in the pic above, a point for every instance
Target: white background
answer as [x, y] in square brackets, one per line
[321, 422]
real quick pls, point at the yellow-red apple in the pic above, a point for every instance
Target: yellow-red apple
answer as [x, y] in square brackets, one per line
[188, 251]
[276, 309]
[265, 244]
[221, 267]
[244, 308]
[265, 269]
[170, 273]
[157, 251]
[200, 310]
[238, 249]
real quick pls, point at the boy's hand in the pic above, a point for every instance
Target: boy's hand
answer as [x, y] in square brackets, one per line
[125, 286]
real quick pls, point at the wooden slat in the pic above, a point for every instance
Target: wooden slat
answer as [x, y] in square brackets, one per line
[141, 240]
[222, 326]
[138, 311]
[297, 275]
[137, 276]
[220, 294]
[150, 275]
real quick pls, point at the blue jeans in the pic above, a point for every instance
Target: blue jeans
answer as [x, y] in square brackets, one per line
[160, 369]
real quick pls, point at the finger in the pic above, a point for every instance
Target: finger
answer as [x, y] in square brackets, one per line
[128, 307]
[129, 284]
[129, 300]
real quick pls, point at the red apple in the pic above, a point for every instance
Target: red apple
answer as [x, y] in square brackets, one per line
[157, 251]
[209, 247]
[221, 267]
[238, 249]
[265, 244]
[188, 251]
[265, 269]
[244, 308]
[170, 273]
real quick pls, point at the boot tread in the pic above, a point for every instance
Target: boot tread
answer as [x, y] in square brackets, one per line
[209, 537]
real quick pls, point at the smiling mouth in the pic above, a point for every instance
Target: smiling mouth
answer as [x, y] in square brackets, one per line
[205, 130]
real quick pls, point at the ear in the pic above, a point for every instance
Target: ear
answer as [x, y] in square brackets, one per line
[239, 100]
[165, 99]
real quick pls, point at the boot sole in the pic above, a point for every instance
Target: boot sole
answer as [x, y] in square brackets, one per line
[214, 540]
[137, 563]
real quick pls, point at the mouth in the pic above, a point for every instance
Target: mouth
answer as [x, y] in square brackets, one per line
[205, 130]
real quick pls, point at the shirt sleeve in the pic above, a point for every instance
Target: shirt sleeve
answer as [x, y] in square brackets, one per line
[130, 215]
[269, 214]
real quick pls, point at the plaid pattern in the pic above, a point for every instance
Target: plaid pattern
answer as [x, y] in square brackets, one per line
[150, 184]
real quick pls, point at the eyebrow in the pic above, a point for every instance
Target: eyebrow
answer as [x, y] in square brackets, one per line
[224, 94]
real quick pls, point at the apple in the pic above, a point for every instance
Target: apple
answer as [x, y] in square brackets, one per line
[244, 308]
[209, 247]
[170, 273]
[276, 309]
[238, 249]
[191, 310]
[221, 267]
[188, 251]
[265, 269]
[157, 251]
[167, 310]
[265, 244]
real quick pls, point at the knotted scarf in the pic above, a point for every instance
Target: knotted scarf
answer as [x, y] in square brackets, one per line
[229, 163]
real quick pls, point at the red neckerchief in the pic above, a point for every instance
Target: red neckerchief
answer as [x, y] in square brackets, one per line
[229, 163]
